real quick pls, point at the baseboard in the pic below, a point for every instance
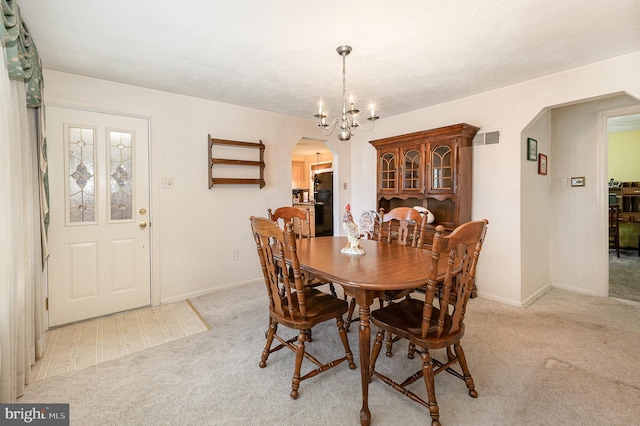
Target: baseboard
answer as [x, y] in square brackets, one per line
[499, 299]
[529, 300]
[575, 289]
[187, 296]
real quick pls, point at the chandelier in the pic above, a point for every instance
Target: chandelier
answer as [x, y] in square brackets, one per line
[348, 123]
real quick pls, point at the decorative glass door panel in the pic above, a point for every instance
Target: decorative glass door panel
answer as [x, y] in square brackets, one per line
[412, 171]
[388, 169]
[81, 170]
[441, 177]
[121, 175]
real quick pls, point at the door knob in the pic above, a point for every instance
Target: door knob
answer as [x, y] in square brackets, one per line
[143, 225]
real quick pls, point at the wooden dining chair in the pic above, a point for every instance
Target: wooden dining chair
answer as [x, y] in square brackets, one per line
[431, 326]
[405, 226]
[300, 307]
[302, 228]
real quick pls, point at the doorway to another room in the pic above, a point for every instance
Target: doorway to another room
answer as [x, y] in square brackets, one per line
[312, 183]
[624, 195]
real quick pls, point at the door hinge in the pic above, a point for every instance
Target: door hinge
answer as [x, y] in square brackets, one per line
[46, 304]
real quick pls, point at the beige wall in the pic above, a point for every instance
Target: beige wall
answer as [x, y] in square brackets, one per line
[196, 229]
[502, 176]
[578, 237]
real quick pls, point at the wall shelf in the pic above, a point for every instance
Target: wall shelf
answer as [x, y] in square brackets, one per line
[234, 162]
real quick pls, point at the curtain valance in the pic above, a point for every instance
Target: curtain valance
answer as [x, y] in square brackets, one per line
[23, 62]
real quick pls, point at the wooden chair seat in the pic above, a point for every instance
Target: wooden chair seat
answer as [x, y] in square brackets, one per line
[404, 319]
[319, 305]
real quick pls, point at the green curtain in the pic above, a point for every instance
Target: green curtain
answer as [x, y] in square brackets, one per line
[23, 64]
[23, 61]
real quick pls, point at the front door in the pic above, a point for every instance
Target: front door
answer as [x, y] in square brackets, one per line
[99, 209]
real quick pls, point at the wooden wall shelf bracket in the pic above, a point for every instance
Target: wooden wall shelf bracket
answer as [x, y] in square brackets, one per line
[232, 162]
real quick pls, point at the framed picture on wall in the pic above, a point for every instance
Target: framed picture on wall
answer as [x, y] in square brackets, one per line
[532, 149]
[542, 164]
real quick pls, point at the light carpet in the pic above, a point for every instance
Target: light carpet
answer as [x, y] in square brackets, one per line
[82, 344]
[567, 359]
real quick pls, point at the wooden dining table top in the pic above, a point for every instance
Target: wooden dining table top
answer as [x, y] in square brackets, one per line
[382, 267]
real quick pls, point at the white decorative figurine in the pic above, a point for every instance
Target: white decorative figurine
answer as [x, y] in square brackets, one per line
[353, 233]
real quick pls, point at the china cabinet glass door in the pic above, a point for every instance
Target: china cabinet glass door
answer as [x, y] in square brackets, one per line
[441, 168]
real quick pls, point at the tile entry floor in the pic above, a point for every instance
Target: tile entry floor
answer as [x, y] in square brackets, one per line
[79, 345]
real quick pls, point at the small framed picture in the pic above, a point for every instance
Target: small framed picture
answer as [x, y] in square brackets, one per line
[577, 181]
[532, 149]
[542, 164]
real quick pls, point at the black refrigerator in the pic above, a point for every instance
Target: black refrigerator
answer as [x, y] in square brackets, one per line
[323, 194]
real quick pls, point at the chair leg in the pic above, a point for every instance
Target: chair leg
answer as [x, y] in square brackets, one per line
[273, 328]
[295, 382]
[375, 351]
[465, 370]
[427, 373]
[389, 344]
[332, 290]
[352, 308]
[345, 342]
[412, 351]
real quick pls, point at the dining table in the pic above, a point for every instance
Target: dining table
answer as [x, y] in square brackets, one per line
[365, 277]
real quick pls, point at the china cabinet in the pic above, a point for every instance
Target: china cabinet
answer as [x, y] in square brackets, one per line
[431, 168]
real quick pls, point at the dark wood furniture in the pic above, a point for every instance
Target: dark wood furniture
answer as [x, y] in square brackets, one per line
[614, 229]
[627, 198]
[214, 180]
[628, 201]
[431, 168]
[366, 277]
[298, 307]
[429, 326]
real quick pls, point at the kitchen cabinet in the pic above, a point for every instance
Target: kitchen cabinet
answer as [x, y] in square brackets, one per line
[431, 168]
[297, 175]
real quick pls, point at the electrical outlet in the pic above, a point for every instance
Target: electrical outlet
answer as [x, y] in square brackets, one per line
[234, 255]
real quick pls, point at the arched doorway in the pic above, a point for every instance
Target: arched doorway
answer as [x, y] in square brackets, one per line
[313, 182]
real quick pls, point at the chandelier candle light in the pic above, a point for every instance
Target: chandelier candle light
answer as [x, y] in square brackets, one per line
[348, 123]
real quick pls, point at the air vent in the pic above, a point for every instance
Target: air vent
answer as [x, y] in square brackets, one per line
[488, 138]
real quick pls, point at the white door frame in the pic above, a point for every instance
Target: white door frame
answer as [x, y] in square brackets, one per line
[602, 198]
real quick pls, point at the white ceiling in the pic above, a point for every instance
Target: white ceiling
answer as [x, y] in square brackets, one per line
[280, 55]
